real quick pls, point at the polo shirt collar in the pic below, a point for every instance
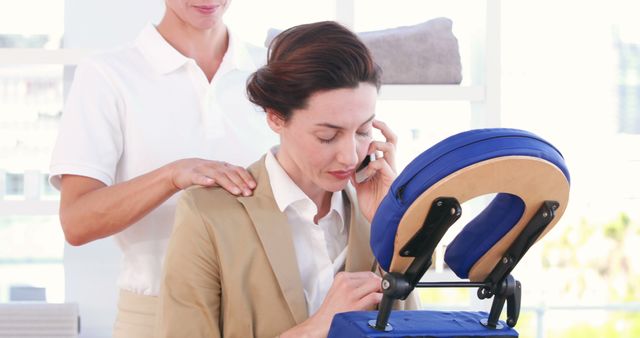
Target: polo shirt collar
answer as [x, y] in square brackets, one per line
[287, 193]
[238, 54]
[164, 58]
[158, 52]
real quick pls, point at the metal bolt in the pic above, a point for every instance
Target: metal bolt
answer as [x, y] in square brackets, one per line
[453, 211]
[505, 260]
[545, 214]
[385, 284]
[406, 252]
[439, 203]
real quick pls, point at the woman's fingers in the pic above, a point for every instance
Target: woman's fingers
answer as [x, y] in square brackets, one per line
[246, 177]
[234, 179]
[367, 292]
[233, 174]
[378, 167]
[388, 134]
[361, 275]
[227, 184]
[350, 290]
[367, 286]
[387, 149]
[369, 301]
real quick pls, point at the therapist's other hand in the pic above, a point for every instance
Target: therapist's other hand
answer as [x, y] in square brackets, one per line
[195, 171]
[350, 291]
[381, 172]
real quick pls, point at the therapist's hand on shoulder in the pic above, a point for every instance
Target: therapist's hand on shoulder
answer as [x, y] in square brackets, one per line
[194, 171]
[381, 172]
[350, 291]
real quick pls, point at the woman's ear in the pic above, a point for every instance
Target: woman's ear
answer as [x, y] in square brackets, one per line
[275, 120]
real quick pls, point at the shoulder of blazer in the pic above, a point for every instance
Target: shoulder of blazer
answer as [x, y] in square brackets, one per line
[211, 200]
[218, 207]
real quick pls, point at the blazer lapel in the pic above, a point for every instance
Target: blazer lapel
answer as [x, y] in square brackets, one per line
[359, 254]
[273, 230]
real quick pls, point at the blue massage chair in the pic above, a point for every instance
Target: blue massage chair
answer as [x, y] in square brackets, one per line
[531, 183]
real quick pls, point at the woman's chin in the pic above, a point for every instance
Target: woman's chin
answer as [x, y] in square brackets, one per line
[336, 185]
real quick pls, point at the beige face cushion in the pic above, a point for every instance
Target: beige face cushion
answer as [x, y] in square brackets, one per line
[426, 53]
[534, 180]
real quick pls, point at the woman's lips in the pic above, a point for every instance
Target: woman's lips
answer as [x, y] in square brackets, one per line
[341, 174]
[207, 9]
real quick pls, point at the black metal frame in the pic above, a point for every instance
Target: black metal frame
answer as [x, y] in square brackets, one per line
[500, 283]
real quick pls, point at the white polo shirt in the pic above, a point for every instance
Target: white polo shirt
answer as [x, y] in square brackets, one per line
[321, 249]
[138, 108]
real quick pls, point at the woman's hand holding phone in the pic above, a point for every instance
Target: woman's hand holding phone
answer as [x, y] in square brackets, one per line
[361, 173]
[373, 180]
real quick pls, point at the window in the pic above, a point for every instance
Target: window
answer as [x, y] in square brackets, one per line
[33, 24]
[569, 84]
[15, 185]
[31, 249]
[31, 255]
[628, 50]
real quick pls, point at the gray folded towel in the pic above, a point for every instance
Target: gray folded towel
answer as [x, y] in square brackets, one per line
[425, 53]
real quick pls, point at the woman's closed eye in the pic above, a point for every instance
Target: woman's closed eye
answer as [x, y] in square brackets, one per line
[326, 138]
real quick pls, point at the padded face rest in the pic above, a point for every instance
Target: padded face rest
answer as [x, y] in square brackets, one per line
[480, 234]
[449, 156]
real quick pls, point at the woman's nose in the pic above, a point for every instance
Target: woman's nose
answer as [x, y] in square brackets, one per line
[348, 153]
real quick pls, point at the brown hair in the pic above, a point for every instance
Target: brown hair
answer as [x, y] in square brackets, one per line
[309, 58]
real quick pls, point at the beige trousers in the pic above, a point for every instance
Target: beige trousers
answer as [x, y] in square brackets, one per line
[136, 316]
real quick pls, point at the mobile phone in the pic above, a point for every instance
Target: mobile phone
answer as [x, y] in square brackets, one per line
[361, 174]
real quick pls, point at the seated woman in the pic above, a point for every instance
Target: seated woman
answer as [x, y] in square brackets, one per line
[285, 260]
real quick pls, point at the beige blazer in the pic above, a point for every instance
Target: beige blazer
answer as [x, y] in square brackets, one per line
[231, 269]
